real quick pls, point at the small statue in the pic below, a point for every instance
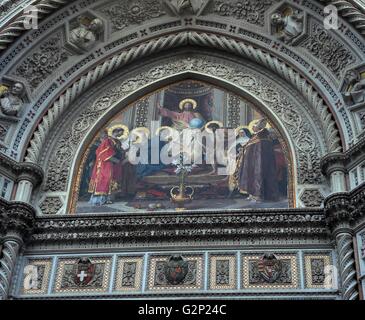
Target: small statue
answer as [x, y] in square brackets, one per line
[356, 88]
[11, 101]
[292, 26]
[85, 36]
[186, 6]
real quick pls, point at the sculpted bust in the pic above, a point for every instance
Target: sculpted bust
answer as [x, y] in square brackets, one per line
[292, 26]
[86, 34]
[356, 85]
[11, 101]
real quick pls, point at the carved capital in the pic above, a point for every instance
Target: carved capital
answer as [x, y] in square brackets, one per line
[341, 161]
[17, 221]
[22, 171]
[333, 162]
[342, 210]
[337, 211]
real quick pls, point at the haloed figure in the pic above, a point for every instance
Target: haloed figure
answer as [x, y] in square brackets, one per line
[257, 171]
[107, 172]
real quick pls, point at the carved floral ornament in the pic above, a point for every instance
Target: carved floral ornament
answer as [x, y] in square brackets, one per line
[76, 125]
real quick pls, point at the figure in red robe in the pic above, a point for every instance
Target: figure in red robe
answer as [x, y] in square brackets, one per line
[107, 170]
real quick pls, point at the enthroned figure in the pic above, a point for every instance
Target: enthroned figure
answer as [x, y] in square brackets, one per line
[181, 120]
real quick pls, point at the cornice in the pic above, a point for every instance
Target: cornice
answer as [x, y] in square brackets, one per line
[342, 160]
[180, 227]
[22, 171]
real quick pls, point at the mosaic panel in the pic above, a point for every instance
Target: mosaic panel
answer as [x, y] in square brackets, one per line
[76, 275]
[222, 272]
[158, 279]
[129, 274]
[36, 275]
[268, 271]
[315, 270]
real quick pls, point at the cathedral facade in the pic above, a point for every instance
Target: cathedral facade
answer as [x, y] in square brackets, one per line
[164, 149]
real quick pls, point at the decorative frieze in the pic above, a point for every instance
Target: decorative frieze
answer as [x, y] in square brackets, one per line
[125, 13]
[331, 52]
[252, 11]
[36, 68]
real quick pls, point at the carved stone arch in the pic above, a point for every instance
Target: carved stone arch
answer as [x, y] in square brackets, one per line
[60, 148]
[257, 44]
[323, 115]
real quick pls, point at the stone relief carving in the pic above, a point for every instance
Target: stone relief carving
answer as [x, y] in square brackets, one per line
[51, 205]
[312, 198]
[3, 131]
[318, 271]
[43, 62]
[186, 275]
[222, 272]
[129, 274]
[181, 7]
[176, 269]
[131, 12]
[83, 274]
[363, 246]
[297, 125]
[11, 101]
[87, 33]
[328, 50]
[330, 128]
[362, 119]
[252, 11]
[269, 269]
[355, 88]
[288, 27]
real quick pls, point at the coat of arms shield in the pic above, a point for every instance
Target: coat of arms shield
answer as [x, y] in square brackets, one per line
[85, 272]
[176, 270]
[270, 268]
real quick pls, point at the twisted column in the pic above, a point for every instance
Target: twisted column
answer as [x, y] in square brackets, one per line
[8, 259]
[16, 224]
[347, 270]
